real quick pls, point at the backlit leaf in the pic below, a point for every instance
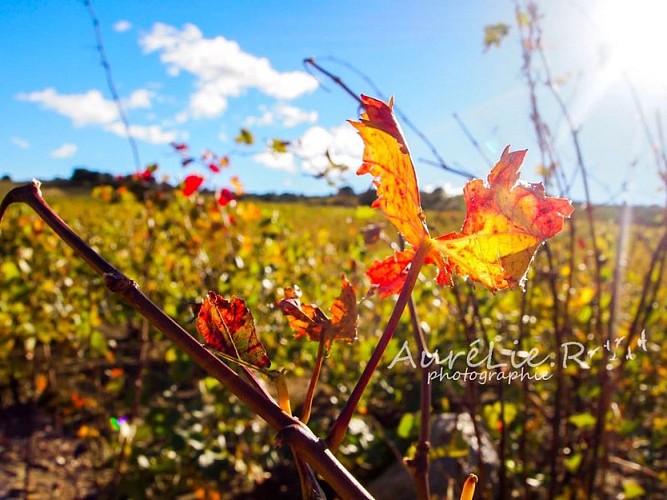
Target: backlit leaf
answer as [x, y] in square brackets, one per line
[308, 320]
[228, 326]
[387, 158]
[506, 219]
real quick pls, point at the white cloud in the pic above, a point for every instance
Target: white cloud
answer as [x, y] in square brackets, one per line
[292, 116]
[65, 151]
[222, 69]
[280, 161]
[288, 116]
[92, 109]
[140, 98]
[149, 133]
[309, 152]
[266, 118]
[122, 26]
[20, 142]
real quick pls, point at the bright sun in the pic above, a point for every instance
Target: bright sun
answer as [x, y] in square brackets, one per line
[635, 33]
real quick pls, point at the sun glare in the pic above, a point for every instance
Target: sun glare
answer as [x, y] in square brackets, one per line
[634, 34]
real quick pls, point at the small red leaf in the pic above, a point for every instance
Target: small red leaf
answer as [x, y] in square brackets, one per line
[228, 326]
[180, 147]
[191, 184]
[214, 168]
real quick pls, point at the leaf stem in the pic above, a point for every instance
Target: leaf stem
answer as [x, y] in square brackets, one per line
[339, 428]
[308, 402]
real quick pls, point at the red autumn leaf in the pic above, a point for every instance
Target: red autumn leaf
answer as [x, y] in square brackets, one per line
[228, 326]
[308, 320]
[388, 274]
[191, 184]
[180, 147]
[225, 197]
[506, 219]
[214, 168]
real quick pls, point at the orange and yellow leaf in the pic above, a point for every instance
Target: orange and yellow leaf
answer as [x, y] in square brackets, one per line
[387, 158]
[506, 219]
[308, 320]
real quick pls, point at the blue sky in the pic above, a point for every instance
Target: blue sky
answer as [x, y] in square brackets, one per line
[199, 71]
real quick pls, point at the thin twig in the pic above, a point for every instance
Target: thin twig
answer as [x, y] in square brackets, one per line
[440, 162]
[104, 60]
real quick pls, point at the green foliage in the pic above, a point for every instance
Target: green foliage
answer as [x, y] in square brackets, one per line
[59, 324]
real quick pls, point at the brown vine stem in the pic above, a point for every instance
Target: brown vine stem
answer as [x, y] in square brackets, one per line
[299, 436]
[421, 460]
[339, 428]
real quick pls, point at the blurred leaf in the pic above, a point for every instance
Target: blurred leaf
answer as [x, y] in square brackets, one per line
[245, 137]
[191, 184]
[279, 146]
[404, 429]
[522, 18]
[494, 34]
[573, 462]
[632, 489]
[582, 420]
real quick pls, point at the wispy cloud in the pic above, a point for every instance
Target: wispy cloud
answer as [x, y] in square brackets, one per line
[284, 114]
[20, 142]
[149, 133]
[92, 109]
[222, 69]
[65, 151]
[122, 26]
